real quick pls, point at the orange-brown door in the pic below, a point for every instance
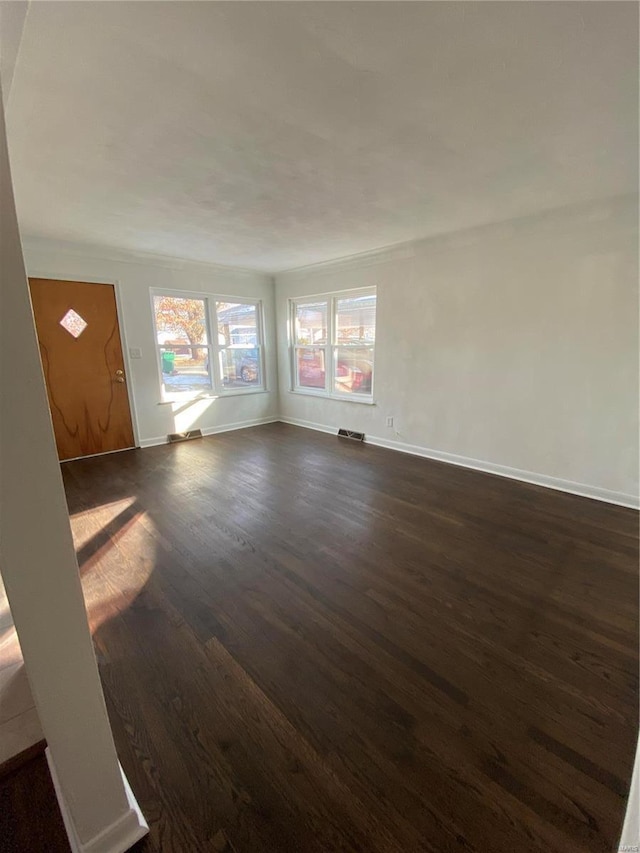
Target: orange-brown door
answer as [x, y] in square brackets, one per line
[81, 350]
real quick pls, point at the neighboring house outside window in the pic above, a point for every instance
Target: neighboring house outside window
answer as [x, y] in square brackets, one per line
[333, 344]
[195, 361]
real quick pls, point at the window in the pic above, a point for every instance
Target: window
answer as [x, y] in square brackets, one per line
[192, 360]
[333, 345]
[240, 361]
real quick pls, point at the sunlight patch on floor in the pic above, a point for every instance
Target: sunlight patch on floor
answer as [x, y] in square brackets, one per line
[116, 553]
[102, 515]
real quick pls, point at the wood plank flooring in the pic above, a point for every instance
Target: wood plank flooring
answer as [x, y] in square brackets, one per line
[309, 644]
[30, 819]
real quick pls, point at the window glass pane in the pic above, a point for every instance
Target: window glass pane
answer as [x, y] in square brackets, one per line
[353, 370]
[311, 323]
[356, 319]
[240, 367]
[185, 369]
[237, 324]
[310, 367]
[180, 321]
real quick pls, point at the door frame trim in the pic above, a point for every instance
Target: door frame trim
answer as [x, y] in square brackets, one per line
[115, 283]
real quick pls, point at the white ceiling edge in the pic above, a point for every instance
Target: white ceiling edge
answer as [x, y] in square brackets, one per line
[13, 16]
[594, 210]
[33, 243]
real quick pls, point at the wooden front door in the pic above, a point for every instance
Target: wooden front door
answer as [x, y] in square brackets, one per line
[81, 351]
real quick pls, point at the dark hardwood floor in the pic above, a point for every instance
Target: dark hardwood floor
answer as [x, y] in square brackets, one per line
[308, 644]
[30, 819]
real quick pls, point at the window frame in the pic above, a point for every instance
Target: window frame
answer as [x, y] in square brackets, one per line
[218, 388]
[330, 348]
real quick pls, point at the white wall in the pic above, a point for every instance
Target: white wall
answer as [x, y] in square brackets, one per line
[514, 345]
[135, 275]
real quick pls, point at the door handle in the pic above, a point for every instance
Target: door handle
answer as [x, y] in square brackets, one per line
[120, 376]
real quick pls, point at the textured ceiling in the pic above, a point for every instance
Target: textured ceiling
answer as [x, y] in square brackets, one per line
[273, 135]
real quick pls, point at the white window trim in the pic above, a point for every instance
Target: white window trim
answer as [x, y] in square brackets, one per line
[330, 347]
[218, 389]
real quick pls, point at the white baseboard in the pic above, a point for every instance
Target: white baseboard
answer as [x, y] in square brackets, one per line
[152, 442]
[240, 425]
[164, 439]
[581, 489]
[118, 837]
[309, 425]
[631, 829]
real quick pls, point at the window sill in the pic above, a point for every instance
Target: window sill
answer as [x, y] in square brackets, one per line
[219, 396]
[341, 398]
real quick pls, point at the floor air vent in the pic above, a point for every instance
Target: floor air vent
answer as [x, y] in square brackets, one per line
[185, 436]
[349, 433]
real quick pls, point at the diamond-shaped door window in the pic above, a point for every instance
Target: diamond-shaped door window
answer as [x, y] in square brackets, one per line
[73, 323]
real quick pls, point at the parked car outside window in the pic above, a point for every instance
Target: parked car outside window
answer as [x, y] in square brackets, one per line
[351, 375]
[239, 365]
